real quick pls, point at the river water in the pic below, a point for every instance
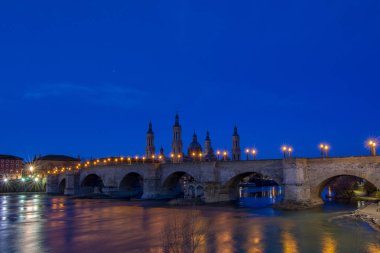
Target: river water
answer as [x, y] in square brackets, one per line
[40, 223]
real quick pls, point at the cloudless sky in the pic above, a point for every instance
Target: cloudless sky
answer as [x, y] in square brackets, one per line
[85, 77]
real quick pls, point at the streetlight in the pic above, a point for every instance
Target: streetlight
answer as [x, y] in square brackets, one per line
[218, 154]
[290, 150]
[225, 155]
[284, 149]
[327, 148]
[200, 157]
[247, 152]
[179, 157]
[372, 145]
[172, 156]
[254, 152]
[322, 148]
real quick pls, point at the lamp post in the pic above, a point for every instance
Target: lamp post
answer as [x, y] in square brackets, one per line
[172, 157]
[225, 155]
[254, 152]
[179, 158]
[372, 145]
[218, 154]
[327, 148]
[247, 152]
[284, 149]
[322, 148]
[200, 157]
[290, 150]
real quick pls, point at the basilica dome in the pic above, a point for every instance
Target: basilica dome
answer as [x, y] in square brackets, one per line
[194, 147]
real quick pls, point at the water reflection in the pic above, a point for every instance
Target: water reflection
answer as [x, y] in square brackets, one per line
[289, 242]
[260, 196]
[38, 223]
[328, 243]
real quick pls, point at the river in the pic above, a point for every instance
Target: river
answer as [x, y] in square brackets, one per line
[41, 223]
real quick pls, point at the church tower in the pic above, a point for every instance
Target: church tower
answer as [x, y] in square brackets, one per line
[208, 152]
[150, 150]
[177, 140]
[236, 145]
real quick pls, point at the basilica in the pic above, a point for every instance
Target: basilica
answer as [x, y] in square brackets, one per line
[195, 152]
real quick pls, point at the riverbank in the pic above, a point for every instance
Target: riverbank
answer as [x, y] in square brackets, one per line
[369, 214]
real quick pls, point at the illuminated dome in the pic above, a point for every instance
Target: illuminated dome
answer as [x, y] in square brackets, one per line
[194, 147]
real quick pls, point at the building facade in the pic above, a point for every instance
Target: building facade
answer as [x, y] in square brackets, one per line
[10, 166]
[43, 164]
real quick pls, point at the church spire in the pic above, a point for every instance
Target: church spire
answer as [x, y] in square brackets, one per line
[236, 152]
[150, 131]
[208, 152]
[150, 149]
[177, 140]
[235, 131]
[176, 123]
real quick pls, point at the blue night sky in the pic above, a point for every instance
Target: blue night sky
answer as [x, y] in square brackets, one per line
[85, 77]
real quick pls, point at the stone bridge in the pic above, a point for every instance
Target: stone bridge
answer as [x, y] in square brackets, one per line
[302, 178]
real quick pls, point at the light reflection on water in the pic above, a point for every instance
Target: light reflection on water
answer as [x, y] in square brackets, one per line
[39, 223]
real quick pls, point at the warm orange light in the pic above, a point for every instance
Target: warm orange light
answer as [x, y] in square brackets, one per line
[290, 149]
[143, 158]
[224, 153]
[179, 156]
[160, 157]
[247, 150]
[218, 152]
[327, 147]
[116, 159]
[109, 159]
[200, 154]
[153, 156]
[253, 151]
[193, 154]
[322, 146]
[284, 148]
[172, 155]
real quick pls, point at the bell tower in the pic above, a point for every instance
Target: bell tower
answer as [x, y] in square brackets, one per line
[236, 152]
[150, 150]
[177, 140]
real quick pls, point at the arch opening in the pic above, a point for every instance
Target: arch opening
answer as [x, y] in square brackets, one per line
[92, 184]
[132, 185]
[177, 184]
[347, 188]
[254, 190]
[62, 186]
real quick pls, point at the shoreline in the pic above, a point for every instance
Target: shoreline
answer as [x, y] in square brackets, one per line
[369, 215]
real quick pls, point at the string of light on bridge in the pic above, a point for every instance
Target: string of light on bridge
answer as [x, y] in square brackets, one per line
[286, 150]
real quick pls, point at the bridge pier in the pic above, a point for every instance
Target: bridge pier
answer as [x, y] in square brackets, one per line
[297, 192]
[72, 183]
[152, 183]
[52, 184]
[214, 192]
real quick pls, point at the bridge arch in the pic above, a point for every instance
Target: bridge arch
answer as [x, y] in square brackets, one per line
[92, 183]
[317, 188]
[232, 185]
[175, 183]
[132, 185]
